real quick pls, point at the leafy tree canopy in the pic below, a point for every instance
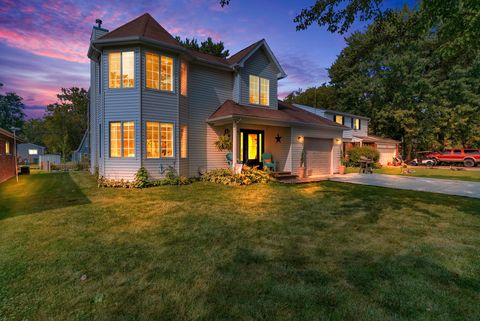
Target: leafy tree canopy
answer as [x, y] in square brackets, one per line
[208, 46]
[321, 97]
[11, 111]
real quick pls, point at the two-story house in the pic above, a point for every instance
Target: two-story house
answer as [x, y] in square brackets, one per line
[154, 103]
[357, 134]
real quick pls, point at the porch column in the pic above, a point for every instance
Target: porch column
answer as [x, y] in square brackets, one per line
[234, 144]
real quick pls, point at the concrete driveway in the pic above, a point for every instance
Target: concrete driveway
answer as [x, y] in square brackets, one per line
[434, 185]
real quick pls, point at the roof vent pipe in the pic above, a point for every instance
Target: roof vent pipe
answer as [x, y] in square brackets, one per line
[99, 23]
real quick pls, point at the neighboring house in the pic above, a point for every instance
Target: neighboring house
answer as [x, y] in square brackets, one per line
[357, 135]
[154, 103]
[29, 153]
[7, 155]
[83, 151]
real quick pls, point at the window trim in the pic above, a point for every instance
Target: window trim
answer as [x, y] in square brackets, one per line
[121, 70]
[122, 153]
[173, 91]
[259, 88]
[160, 139]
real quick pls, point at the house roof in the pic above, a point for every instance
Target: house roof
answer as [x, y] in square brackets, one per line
[330, 111]
[377, 139]
[146, 28]
[285, 113]
[6, 133]
[143, 26]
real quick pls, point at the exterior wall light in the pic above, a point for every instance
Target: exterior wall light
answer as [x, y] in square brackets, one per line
[300, 139]
[338, 141]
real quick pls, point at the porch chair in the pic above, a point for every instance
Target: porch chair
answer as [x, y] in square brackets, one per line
[229, 158]
[269, 162]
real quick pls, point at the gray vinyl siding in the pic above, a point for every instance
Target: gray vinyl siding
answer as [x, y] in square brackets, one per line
[259, 64]
[161, 106]
[209, 88]
[120, 104]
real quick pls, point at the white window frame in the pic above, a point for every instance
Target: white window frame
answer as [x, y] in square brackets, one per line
[121, 69]
[122, 152]
[259, 90]
[160, 123]
[160, 58]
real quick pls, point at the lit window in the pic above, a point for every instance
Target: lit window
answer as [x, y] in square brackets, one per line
[128, 139]
[115, 139]
[167, 74]
[183, 142]
[153, 140]
[152, 70]
[259, 90]
[166, 143]
[356, 123]
[264, 91]
[114, 72]
[128, 69]
[184, 78]
[339, 119]
[121, 69]
[33, 152]
[253, 89]
[7, 148]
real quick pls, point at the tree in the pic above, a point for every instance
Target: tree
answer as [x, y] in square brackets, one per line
[321, 97]
[11, 110]
[62, 129]
[396, 74]
[207, 46]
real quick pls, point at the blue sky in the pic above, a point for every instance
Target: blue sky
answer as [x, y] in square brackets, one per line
[43, 44]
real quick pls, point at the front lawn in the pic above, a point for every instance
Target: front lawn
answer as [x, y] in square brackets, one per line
[324, 251]
[463, 175]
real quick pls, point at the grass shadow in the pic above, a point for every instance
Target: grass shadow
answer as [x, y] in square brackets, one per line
[39, 192]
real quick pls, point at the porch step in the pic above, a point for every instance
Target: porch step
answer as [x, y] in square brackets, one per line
[284, 176]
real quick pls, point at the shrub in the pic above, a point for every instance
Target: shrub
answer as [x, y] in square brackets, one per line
[355, 153]
[141, 178]
[249, 175]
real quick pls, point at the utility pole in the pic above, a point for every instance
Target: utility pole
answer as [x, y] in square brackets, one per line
[14, 129]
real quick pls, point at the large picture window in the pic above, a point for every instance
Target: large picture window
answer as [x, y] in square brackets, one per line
[259, 90]
[159, 142]
[122, 139]
[121, 70]
[158, 72]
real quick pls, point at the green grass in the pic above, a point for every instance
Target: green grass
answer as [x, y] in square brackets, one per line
[324, 251]
[462, 175]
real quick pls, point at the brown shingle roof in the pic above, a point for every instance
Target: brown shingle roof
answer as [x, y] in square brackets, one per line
[233, 59]
[285, 113]
[143, 26]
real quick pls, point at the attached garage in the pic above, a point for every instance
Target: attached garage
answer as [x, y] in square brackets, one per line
[318, 152]
[387, 153]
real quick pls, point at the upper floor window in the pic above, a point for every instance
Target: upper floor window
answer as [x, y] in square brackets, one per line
[122, 132]
[7, 148]
[184, 78]
[259, 90]
[121, 69]
[33, 152]
[339, 119]
[158, 72]
[356, 123]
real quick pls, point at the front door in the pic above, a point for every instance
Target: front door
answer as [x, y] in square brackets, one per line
[251, 146]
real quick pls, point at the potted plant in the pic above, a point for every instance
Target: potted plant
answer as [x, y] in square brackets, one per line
[301, 169]
[224, 143]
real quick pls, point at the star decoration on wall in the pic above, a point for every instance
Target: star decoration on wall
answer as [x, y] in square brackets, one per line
[278, 138]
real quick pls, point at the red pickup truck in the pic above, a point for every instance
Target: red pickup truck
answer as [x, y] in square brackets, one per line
[468, 156]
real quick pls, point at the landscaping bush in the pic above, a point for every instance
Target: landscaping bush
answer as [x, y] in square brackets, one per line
[142, 180]
[248, 176]
[355, 153]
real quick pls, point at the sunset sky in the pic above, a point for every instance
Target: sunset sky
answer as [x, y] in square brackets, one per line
[43, 44]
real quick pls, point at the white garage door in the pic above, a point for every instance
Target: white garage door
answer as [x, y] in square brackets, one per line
[318, 156]
[386, 155]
